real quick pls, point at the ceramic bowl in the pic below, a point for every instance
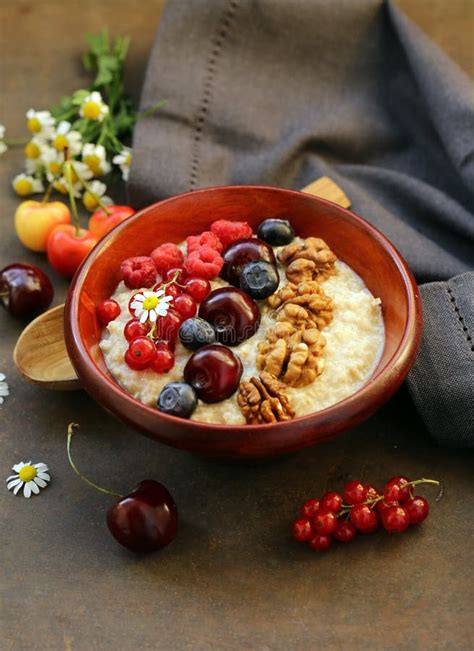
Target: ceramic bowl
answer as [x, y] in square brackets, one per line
[352, 239]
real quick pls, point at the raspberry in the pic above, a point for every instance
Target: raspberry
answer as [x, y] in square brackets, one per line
[138, 272]
[194, 242]
[229, 232]
[204, 263]
[167, 256]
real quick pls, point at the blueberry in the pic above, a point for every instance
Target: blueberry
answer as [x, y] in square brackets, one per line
[259, 279]
[196, 332]
[177, 399]
[276, 232]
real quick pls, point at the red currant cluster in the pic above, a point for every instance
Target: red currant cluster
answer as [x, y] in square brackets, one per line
[361, 508]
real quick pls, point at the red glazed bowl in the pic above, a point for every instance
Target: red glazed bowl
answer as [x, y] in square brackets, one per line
[352, 239]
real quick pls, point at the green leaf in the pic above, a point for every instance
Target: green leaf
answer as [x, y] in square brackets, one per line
[98, 43]
[79, 96]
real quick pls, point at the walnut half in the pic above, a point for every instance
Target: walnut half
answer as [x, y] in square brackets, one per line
[263, 400]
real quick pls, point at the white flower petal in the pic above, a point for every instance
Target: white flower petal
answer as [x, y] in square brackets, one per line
[144, 316]
[13, 483]
[17, 488]
[162, 310]
[159, 293]
[27, 490]
[18, 466]
[166, 299]
[34, 487]
[40, 482]
[11, 477]
[153, 316]
[139, 297]
[40, 466]
[44, 475]
[2, 377]
[148, 294]
[136, 305]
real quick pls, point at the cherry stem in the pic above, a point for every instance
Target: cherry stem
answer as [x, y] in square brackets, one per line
[49, 189]
[87, 188]
[72, 199]
[71, 430]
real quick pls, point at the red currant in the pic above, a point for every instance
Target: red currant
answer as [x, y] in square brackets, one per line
[363, 518]
[320, 543]
[331, 501]
[198, 288]
[309, 508]
[302, 530]
[141, 352]
[354, 492]
[134, 329]
[107, 311]
[185, 305]
[324, 522]
[345, 531]
[417, 509]
[164, 358]
[395, 489]
[180, 274]
[168, 326]
[372, 492]
[382, 506]
[395, 519]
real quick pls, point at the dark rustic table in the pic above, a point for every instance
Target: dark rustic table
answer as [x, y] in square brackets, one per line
[233, 579]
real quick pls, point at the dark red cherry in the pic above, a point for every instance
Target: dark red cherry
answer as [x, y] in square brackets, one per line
[145, 520]
[214, 372]
[233, 314]
[25, 290]
[241, 253]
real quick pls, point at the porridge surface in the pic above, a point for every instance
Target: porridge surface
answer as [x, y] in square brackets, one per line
[355, 340]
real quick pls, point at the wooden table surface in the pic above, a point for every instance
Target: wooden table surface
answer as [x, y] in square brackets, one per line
[233, 579]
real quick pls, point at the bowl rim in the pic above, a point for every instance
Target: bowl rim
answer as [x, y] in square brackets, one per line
[366, 395]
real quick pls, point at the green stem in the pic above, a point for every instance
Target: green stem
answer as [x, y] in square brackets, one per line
[72, 198]
[87, 187]
[152, 109]
[72, 427]
[49, 189]
[16, 141]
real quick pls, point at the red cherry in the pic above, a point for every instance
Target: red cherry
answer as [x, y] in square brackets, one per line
[214, 372]
[395, 519]
[164, 358]
[240, 253]
[302, 530]
[382, 506]
[25, 290]
[354, 492]
[331, 501]
[345, 531]
[168, 326]
[363, 518]
[198, 288]
[145, 520]
[134, 329]
[234, 315]
[141, 352]
[309, 508]
[395, 490]
[180, 274]
[185, 305]
[320, 543]
[324, 522]
[417, 509]
[107, 311]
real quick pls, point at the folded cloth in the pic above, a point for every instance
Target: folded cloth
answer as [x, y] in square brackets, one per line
[280, 93]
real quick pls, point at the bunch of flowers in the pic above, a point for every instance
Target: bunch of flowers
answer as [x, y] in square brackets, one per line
[90, 128]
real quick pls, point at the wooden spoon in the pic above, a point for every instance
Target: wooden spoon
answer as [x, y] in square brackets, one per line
[40, 353]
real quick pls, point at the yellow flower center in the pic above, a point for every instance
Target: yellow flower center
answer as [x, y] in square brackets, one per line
[27, 473]
[32, 150]
[23, 187]
[34, 125]
[60, 142]
[91, 110]
[60, 187]
[89, 201]
[150, 303]
[93, 163]
[54, 167]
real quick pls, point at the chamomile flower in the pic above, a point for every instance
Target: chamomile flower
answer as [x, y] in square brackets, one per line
[25, 184]
[93, 107]
[150, 305]
[124, 160]
[3, 146]
[30, 476]
[95, 189]
[4, 390]
[33, 152]
[40, 123]
[53, 162]
[78, 171]
[94, 157]
[65, 138]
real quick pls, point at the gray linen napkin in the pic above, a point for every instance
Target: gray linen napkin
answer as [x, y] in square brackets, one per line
[279, 93]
